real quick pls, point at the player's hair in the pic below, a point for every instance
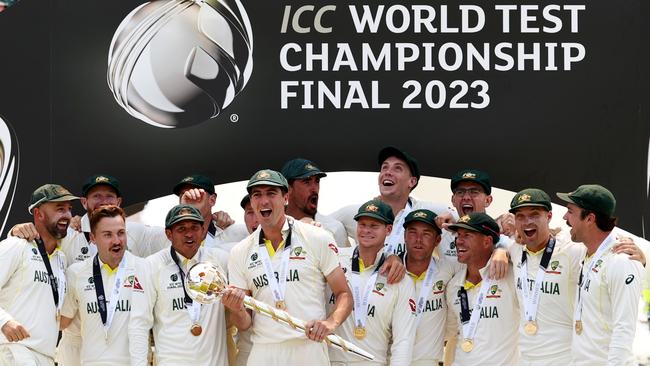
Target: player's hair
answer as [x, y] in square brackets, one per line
[603, 222]
[106, 211]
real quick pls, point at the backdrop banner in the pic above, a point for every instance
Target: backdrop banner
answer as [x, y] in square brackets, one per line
[537, 93]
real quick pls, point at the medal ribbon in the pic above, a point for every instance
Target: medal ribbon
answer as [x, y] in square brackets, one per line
[92, 248]
[57, 280]
[584, 278]
[193, 307]
[531, 303]
[470, 322]
[361, 300]
[107, 312]
[397, 234]
[425, 290]
[278, 285]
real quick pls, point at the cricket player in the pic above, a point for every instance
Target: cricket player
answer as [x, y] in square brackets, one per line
[185, 331]
[483, 311]
[382, 322]
[100, 288]
[32, 282]
[304, 178]
[198, 191]
[399, 174]
[429, 273]
[546, 270]
[609, 286]
[287, 264]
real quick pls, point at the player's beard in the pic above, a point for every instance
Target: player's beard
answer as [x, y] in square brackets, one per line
[311, 206]
[56, 231]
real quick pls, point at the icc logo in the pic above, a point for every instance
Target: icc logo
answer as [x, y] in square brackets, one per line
[177, 63]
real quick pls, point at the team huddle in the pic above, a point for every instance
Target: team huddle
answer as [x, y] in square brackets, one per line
[410, 282]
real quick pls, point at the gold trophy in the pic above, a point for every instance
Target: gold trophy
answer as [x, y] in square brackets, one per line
[204, 283]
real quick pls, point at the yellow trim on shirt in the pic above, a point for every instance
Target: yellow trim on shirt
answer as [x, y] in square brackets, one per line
[58, 248]
[417, 278]
[269, 247]
[534, 253]
[468, 285]
[362, 267]
[110, 271]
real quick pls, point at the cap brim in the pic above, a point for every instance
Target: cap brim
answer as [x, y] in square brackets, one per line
[184, 218]
[308, 174]
[389, 151]
[406, 223]
[456, 226]
[65, 198]
[513, 209]
[565, 197]
[265, 183]
[488, 190]
[373, 215]
[88, 188]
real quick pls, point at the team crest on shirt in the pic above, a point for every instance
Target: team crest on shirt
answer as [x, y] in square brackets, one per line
[174, 277]
[380, 289]
[554, 268]
[132, 282]
[494, 292]
[597, 266]
[34, 251]
[84, 250]
[438, 288]
[298, 253]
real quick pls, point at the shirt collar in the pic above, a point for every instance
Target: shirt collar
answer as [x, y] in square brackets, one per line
[184, 261]
[110, 271]
[435, 255]
[363, 267]
[85, 223]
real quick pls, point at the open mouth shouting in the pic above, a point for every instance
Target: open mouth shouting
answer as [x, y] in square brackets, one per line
[530, 233]
[116, 248]
[313, 200]
[63, 224]
[467, 208]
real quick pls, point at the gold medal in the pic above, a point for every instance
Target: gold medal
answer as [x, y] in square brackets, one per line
[578, 327]
[467, 345]
[530, 327]
[196, 330]
[281, 305]
[359, 332]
